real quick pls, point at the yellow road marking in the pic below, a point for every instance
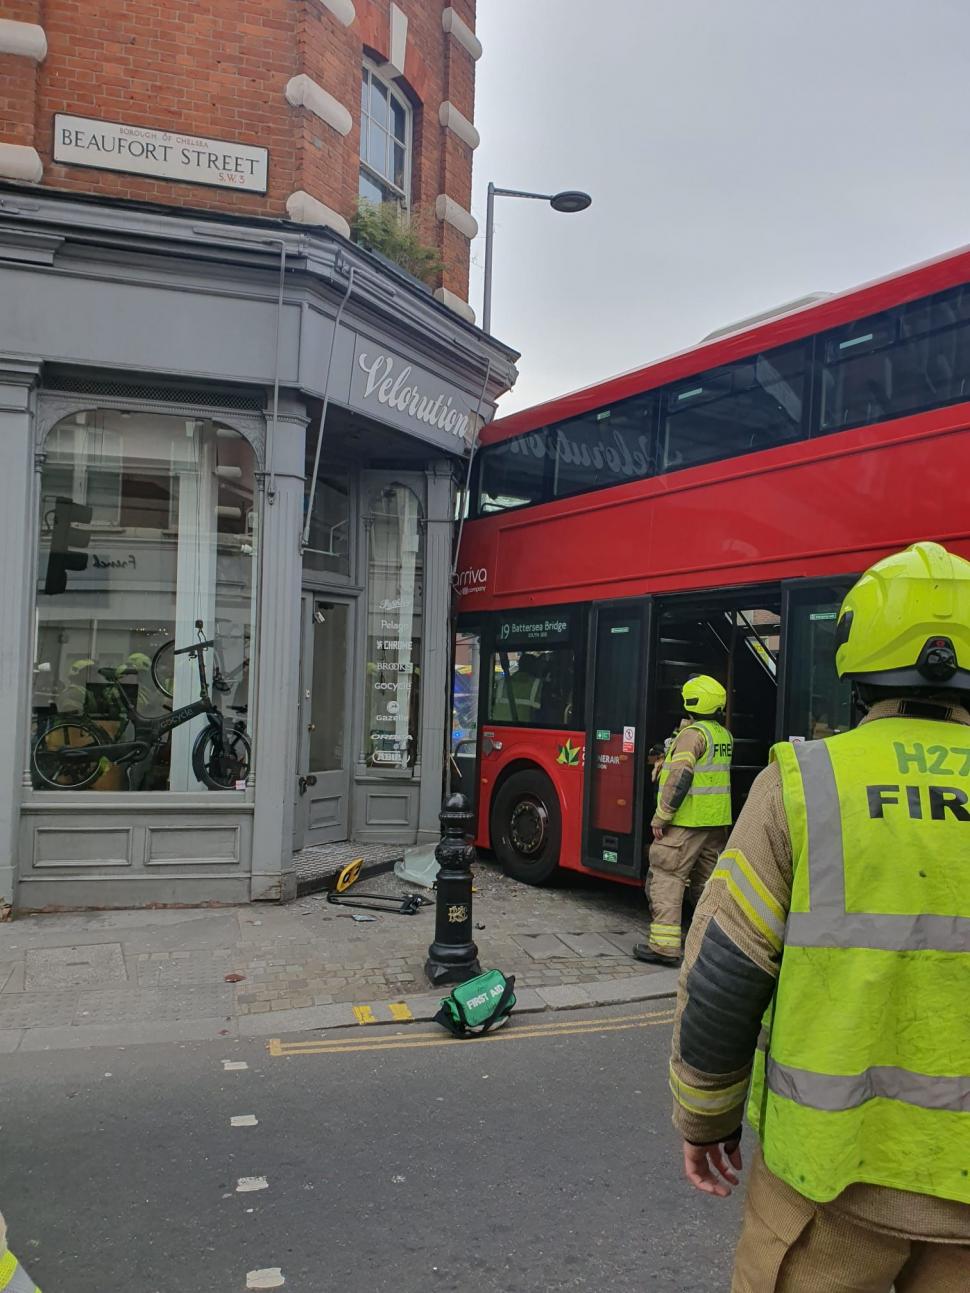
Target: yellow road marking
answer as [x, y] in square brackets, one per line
[420, 1041]
[400, 1012]
[364, 1015]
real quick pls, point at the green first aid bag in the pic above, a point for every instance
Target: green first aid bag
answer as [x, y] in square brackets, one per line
[478, 1005]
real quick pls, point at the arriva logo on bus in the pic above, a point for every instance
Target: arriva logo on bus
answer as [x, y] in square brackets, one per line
[398, 392]
[470, 581]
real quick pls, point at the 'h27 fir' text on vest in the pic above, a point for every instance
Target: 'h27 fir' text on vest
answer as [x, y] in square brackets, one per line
[867, 1072]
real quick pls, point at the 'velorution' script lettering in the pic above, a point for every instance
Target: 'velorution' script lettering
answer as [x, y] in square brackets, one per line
[397, 391]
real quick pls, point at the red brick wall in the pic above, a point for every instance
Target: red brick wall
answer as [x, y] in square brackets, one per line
[219, 68]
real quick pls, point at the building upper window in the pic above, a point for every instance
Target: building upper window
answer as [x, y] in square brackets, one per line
[385, 141]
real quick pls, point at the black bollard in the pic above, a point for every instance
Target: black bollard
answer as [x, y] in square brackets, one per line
[453, 956]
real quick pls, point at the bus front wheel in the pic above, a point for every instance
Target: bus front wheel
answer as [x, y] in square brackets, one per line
[526, 827]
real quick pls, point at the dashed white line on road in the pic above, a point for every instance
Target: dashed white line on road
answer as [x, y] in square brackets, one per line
[234, 1066]
[269, 1278]
[244, 1120]
[247, 1183]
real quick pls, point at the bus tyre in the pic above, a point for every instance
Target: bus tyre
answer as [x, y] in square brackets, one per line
[526, 827]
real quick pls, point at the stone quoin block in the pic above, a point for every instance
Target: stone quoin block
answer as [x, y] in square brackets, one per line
[458, 124]
[26, 39]
[18, 162]
[303, 92]
[455, 303]
[455, 25]
[450, 212]
[342, 10]
[305, 209]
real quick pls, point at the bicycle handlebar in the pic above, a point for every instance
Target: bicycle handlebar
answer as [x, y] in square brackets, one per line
[196, 646]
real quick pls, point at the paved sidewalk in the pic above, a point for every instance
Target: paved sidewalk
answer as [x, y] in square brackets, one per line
[125, 977]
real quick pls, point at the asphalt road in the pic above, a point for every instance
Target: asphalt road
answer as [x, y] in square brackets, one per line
[542, 1160]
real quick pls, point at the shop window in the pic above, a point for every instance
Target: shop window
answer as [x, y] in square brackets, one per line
[147, 526]
[328, 550]
[385, 141]
[395, 604]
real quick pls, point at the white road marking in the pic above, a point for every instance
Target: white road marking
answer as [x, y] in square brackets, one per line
[233, 1066]
[244, 1120]
[247, 1183]
[269, 1278]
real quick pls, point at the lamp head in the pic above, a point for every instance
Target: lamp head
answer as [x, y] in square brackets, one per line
[570, 201]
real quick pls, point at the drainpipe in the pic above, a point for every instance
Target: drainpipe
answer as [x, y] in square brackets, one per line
[305, 538]
[454, 566]
[471, 458]
[241, 238]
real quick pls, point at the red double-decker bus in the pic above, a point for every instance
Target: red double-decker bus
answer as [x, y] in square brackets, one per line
[704, 514]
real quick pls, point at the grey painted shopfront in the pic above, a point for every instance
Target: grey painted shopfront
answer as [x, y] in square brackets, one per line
[169, 372]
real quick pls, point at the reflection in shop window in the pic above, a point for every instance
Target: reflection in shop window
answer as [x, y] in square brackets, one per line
[147, 526]
[395, 597]
[328, 549]
[464, 697]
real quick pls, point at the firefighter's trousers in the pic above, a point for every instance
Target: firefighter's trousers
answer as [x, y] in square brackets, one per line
[683, 859]
[789, 1244]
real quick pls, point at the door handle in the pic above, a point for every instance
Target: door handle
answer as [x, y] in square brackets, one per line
[311, 727]
[305, 782]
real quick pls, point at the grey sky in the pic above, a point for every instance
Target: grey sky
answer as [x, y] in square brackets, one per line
[740, 153]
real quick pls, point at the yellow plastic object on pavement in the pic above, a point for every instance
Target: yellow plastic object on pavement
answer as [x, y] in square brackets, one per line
[349, 875]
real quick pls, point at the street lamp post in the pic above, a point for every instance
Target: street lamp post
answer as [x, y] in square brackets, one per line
[568, 201]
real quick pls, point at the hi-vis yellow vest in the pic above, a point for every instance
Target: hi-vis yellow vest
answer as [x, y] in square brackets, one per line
[13, 1277]
[708, 802]
[868, 1037]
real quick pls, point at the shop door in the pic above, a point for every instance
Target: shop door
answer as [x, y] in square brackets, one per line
[613, 817]
[324, 756]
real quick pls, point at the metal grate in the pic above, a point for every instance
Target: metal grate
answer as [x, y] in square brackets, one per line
[199, 396]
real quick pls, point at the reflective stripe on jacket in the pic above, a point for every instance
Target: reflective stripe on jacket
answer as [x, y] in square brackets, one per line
[13, 1277]
[867, 1043]
[708, 801]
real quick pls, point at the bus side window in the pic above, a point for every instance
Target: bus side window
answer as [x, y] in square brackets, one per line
[513, 474]
[532, 688]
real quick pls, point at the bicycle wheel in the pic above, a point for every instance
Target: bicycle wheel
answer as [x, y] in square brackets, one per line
[220, 759]
[163, 669]
[66, 757]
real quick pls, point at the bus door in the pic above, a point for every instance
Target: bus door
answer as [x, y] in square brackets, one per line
[465, 689]
[735, 638]
[814, 702]
[615, 744]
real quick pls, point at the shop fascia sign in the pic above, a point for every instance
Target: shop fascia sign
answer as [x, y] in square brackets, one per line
[396, 390]
[163, 154]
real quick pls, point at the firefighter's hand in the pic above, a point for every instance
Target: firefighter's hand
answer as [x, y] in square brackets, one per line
[713, 1169]
[658, 830]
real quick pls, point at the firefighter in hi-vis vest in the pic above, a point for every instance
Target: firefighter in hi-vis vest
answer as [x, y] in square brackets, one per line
[691, 819]
[829, 963]
[13, 1277]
